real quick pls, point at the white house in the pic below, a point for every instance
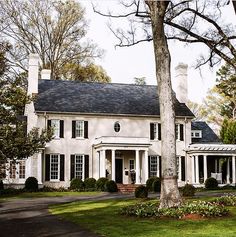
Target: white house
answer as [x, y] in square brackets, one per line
[107, 130]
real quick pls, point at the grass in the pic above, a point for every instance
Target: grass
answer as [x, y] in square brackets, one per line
[102, 217]
[46, 194]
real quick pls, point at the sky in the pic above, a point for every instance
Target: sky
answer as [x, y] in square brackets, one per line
[124, 64]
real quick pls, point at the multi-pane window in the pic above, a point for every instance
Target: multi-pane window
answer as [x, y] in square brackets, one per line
[12, 170]
[153, 166]
[196, 134]
[179, 132]
[54, 167]
[79, 129]
[79, 166]
[55, 123]
[2, 170]
[131, 165]
[155, 131]
[22, 169]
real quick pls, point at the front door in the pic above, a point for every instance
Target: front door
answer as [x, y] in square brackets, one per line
[119, 171]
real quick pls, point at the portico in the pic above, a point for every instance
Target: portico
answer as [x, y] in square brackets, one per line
[117, 157]
[211, 160]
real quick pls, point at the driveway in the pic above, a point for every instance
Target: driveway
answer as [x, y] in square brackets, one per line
[30, 217]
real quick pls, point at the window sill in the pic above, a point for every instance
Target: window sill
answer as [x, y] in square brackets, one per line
[80, 138]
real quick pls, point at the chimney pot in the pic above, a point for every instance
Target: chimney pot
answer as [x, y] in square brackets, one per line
[46, 74]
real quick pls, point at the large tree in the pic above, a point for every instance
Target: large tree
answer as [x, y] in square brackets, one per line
[157, 21]
[15, 143]
[56, 30]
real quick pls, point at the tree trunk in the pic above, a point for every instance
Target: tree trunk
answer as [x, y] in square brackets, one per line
[170, 195]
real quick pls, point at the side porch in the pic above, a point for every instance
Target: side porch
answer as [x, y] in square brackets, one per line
[211, 160]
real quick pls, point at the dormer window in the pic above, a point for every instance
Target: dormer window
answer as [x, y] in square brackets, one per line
[196, 134]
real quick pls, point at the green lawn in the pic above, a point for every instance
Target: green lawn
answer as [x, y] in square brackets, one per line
[47, 194]
[102, 217]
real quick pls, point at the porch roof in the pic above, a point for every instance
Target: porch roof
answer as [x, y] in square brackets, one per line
[124, 142]
[215, 149]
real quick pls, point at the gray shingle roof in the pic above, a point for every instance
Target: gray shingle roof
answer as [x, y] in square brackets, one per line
[78, 97]
[208, 135]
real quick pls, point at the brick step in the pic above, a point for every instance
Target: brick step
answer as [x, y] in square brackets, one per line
[127, 188]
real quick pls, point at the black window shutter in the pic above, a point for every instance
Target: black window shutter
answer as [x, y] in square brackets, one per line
[149, 167]
[159, 131]
[176, 131]
[86, 166]
[85, 129]
[160, 166]
[151, 131]
[73, 128]
[47, 167]
[49, 123]
[72, 166]
[62, 167]
[61, 128]
[181, 132]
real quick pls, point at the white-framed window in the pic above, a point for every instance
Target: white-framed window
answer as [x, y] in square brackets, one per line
[79, 167]
[79, 129]
[12, 170]
[55, 124]
[196, 134]
[155, 131]
[2, 170]
[177, 131]
[153, 166]
[116, 126]
[54, 167]
[22, 169]
[131, 164]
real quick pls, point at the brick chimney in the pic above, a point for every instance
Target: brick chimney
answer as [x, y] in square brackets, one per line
[181, 74]
[33, 74]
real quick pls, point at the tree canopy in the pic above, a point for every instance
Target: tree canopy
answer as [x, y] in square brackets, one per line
[56, 30]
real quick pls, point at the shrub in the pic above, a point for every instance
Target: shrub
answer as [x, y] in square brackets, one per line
[100, 184]
[156, 185]
[211, 183]
[111, 186]
[90, 184]
[149, 183]
[1, 185]
[188, 190]
[11, 191]
[31, 184]
[141, 192]
[77, 184]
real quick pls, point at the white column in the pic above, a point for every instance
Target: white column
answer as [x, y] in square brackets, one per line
[233, 170]
[197, 169]
[227, 176]
[216, 165]
[180, 169]
[113, 165]
[193, 169]
[39, 167]
[102, 163]
[205, 167]
[158, 166]
[137, 167]
[145, 167]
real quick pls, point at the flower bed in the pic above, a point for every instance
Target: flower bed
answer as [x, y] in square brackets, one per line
[151, 209]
